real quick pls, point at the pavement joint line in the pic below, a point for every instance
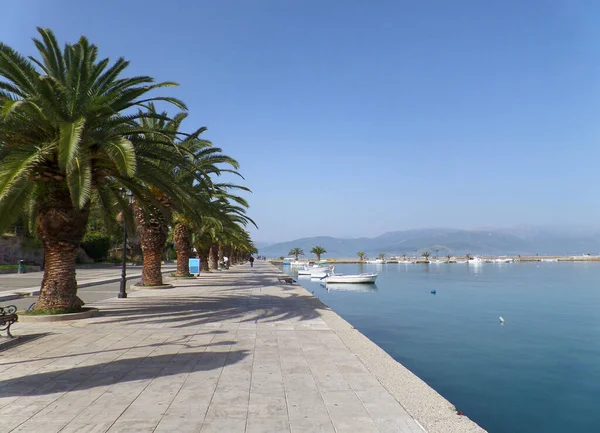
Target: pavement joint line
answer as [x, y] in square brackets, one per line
[72, 388]
[48, 381]
[129, 371]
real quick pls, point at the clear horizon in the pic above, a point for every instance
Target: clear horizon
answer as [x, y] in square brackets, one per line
[352, 119]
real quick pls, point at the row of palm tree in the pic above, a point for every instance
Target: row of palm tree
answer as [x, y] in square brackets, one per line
[316, 250]
[361, 255]
[75, 132]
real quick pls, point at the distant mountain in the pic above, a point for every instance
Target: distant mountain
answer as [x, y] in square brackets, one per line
[520, 240]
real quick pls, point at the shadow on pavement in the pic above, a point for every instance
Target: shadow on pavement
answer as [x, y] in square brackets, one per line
[117, 371]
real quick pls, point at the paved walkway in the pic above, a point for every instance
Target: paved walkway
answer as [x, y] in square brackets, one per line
[228, 352]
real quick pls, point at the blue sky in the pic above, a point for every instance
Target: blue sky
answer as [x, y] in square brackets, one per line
[352, 118]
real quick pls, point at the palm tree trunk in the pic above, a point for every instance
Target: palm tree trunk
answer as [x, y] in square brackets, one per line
[183, 246]
[220, 257]
[204, 254]
[60, 227]
[153, 236]
[213, 257]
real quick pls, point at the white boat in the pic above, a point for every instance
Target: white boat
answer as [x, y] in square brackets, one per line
[298, 264]
[475, 261]
[549, 260]
[377, 261]
[351, 279]
[504, 260]
[316, 271]
[406, 262]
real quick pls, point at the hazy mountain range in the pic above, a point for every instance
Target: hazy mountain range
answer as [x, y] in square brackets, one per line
[524, 240]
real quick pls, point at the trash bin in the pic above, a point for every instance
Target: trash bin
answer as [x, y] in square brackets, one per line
[21, 268]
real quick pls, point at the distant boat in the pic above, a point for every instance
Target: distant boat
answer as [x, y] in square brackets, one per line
[504, 260]
[406, 262]
[549, 260]
[315, 270]
[376, 261]
[352, 279]
[475, 261]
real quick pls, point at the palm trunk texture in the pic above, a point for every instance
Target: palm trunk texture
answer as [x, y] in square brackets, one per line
[183, 246]
[60, 227]
[213, 257]
[153, 236]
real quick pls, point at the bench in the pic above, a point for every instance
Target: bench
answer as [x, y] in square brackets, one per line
[8, 316]
[288, 280]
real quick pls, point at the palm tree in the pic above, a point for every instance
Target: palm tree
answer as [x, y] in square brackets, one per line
[448, 257]
[206, 160]
[425, 255]
[468, 256]
[404, 257]
[67, 137]
[296, 252]
[317, 251]
[381, 256]
[361, 255]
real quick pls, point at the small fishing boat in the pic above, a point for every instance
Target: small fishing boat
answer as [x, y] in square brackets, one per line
[316, 271]
[377, 261]
[503, 260]
[351, 279]
[475, 261]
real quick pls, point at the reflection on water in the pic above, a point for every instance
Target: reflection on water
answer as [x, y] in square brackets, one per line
[341, 287]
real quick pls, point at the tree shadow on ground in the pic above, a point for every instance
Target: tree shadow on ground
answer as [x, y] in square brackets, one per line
[19, 340]
[118, 371]
[179, 342]
[185, 311]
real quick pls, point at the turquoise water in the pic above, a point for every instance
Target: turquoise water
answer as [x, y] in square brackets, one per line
[539, 372]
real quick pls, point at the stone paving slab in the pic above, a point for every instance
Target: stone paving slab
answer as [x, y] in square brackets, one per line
[233, 351]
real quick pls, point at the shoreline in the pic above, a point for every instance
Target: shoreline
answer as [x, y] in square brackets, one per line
[429, 408]
[420, 260]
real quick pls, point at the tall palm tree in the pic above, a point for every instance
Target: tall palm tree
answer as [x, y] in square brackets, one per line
[207, 161]
[361, 255]
[296, 252]
[468, 256]
[67, 136]
[193, 178]
[317, 251]
[425, 255]
[381, 256]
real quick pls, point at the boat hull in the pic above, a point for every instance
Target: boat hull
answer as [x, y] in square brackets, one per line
[352, 279]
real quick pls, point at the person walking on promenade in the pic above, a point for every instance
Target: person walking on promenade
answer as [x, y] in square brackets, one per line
[251, 261]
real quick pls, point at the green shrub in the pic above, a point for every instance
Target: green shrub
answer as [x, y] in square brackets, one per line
[96, 244]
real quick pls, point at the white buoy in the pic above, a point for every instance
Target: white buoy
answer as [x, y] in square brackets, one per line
[501, 319]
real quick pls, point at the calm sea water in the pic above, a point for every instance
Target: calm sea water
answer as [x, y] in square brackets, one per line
[539, 372]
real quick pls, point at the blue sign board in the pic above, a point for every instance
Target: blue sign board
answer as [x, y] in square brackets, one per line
[194, 266]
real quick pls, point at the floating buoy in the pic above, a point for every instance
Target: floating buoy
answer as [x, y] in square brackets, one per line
[433, 292]
[501, 319]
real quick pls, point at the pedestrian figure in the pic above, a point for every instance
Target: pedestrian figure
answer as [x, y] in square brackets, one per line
[251, 261]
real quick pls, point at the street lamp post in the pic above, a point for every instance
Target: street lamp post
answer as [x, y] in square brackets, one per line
[122, 290]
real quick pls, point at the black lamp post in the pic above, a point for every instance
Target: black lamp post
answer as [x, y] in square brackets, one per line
[122, 290]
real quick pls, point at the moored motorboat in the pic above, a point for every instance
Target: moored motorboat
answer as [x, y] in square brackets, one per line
[316, 271]
[352, 279]
[377, 261]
